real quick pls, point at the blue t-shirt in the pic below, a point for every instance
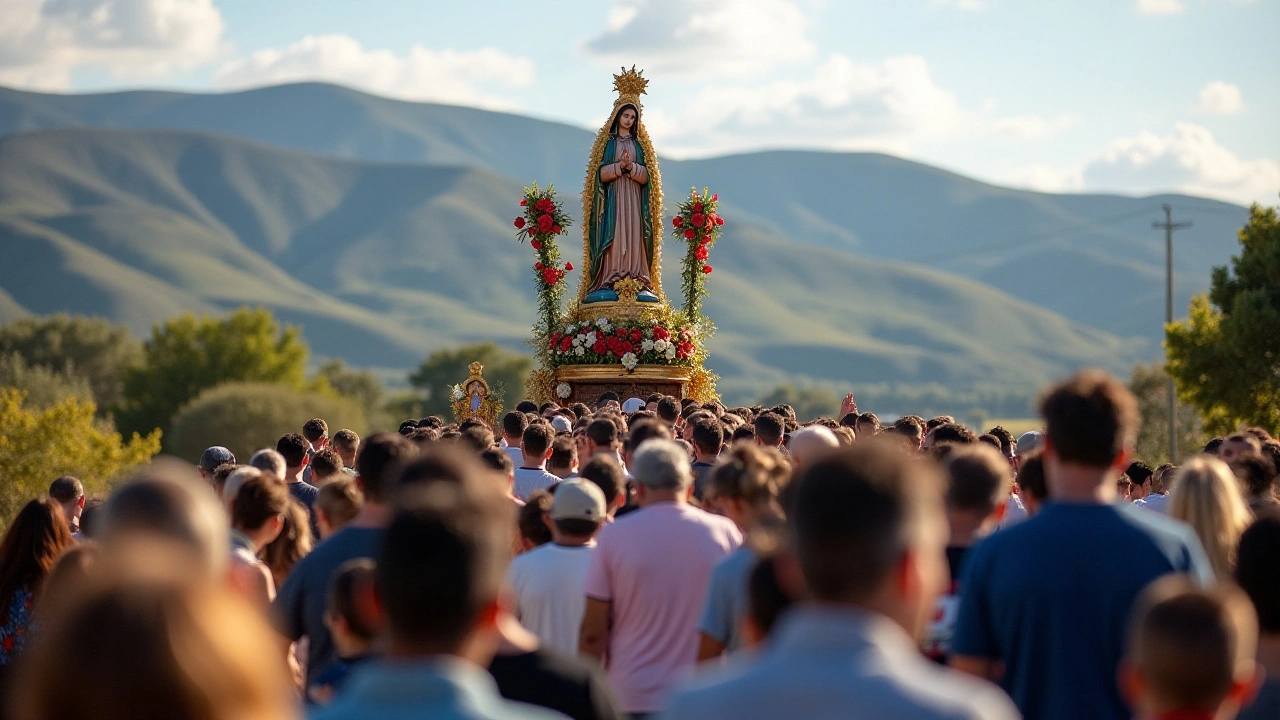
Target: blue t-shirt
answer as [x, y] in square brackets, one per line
[300, 606]
[306, 494]
[1050, 598]
[726, 602]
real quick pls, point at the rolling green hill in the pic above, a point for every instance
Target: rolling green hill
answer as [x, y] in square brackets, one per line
[382, 263]
[1092, 258]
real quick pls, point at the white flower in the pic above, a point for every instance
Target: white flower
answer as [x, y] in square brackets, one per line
[646, 346]
[661, 345]
[602, 322]
[569, 328]
[579, 351]
[457, 392]
[563, 390]
[577, 341]
[671, 351]
[629, 361]
[590, 338]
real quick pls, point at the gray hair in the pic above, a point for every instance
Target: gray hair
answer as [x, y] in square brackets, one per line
[270, 461]
[662, 465]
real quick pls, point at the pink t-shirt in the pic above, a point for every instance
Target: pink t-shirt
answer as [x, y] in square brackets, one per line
[654, 565]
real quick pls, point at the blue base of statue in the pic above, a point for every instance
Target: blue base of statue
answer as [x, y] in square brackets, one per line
[601, 295]
[646, 297]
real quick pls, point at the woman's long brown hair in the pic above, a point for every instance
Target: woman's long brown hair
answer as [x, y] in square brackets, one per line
[34, 542]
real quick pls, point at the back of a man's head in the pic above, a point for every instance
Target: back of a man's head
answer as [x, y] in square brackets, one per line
[325, 464]
[644, 431]
[668, 410]
[1256, 571]
[1190, 646]
[293, 447]
[535, 442]
[1090, 419]
[662, 465]
[442, 563]
[315, 430]
[378, 463]
[603, 433]
[260, 497]
[708, 436]
[270, 461]
[769, 429]
[346, 441]
[564, 454]
[1256, 474]
[66, 489]
[854, 515]
[607, 474]
[513, 425]
[977, 479]
[165, 505]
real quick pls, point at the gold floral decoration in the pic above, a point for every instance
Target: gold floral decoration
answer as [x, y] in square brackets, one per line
[541, 385]
[702, 385]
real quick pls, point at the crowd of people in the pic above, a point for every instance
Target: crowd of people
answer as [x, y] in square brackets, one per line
[651, 557]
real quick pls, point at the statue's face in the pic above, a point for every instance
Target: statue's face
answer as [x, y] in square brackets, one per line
[627, 119]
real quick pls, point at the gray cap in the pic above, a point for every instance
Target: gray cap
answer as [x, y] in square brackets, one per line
[1030, 442]
[578, 500]
[215, 456]
[561, 424]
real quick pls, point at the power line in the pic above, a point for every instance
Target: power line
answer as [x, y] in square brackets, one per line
[1169, 226]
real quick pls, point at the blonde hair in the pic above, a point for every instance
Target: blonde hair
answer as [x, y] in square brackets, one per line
[1207, 497]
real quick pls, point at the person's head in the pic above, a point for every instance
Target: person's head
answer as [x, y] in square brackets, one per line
[337, 504]
[535, 444]
[500, 462]
[668, 411]
[708, 438]
[607, 474]
[531, 520]
[767, 599]
[1256, 571]
[316, 432]
[325, 466]
[869, 531]
[1257, 475]
[1236, 445]
[1033, 490]
[259, 506]
[746, 483]
[292, 544]
[563, 461]
[91, 519]
[212, 457]
[476, 436]
[378, 464]
[441, 568]
[1190, 650]
[1162, 479]
[1140, 478]
[769, 429]
[513, 425]
[809, 443]
[606, 398]
[1007, 444]
[155, 648]
[407, 427]
[977, 488]
[867, 425]
[578, 510]
[1091, 421]
[270, 461]
[351, 612]
[293, 448]
[1207, 497]
[641, 433]
[218, 478]
[164, 507]
[626, 121]
[1211, 447]
[68, 492]
[744, 434]
[36, 538]
[346, 443]
[949, 433]
[911, 427]
[661, 471]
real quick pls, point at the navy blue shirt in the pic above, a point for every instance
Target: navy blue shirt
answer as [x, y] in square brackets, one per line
[300, 606]
[1050, 598]
[306, 494]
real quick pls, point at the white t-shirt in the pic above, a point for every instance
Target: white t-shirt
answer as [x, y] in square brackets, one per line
[1157, 503]
[530, 479]
[547, 585]
[517, 455]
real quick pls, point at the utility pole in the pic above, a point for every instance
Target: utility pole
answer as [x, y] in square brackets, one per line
[1169, 226]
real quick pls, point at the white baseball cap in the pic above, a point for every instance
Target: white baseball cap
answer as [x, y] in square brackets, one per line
[632, 405]
[577, 500]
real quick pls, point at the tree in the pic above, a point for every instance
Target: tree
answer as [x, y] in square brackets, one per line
[43, 386]
[1225, 358]
[360, 385]
[37, 446]
[245, 417]
[502, 368]
[1149, 384]
[809, 402]
[91, 348]
[188, 354]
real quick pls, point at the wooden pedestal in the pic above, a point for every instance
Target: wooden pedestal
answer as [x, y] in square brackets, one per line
[589, 382]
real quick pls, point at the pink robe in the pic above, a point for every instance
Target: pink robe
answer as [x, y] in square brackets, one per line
[626, 257]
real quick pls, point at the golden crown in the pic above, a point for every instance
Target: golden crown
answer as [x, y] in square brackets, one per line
[630, 85]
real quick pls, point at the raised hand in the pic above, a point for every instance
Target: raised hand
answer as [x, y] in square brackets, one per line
[848, 405]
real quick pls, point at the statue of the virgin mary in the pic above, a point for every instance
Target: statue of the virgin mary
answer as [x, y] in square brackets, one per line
[622, 203]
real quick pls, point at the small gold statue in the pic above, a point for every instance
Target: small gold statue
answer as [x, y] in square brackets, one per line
[473, 400]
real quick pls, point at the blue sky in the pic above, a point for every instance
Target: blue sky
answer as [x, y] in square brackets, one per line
[1132, 96]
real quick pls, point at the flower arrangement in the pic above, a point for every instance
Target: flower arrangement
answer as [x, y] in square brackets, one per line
[542, 220]
[602, 342]
[698, 224]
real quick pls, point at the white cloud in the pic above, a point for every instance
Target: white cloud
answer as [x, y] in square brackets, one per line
[966, 5]
[1047, 179]
[438, 76]
[1220, 98]
[1031, 127]
[1187, 159]
[1159, 7]
[42, 41]
[733, 37]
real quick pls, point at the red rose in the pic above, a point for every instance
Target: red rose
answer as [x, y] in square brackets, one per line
[566, 344]
[706, 269]
[535, 244]
[545, 223]
[626, 348]
[677, 221]
[719, 220]
[690, 234]
[598, 348]
[701, 252]
[697, 207]
[698, 219]
[568, 266]
[715, 197]
[555, 229]
[519, 223]
[660, 333]
[621, 332]
[537, 265]
[523, 202]
[549, 276]
[636, 335]
[684, 350]
[544, 205]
